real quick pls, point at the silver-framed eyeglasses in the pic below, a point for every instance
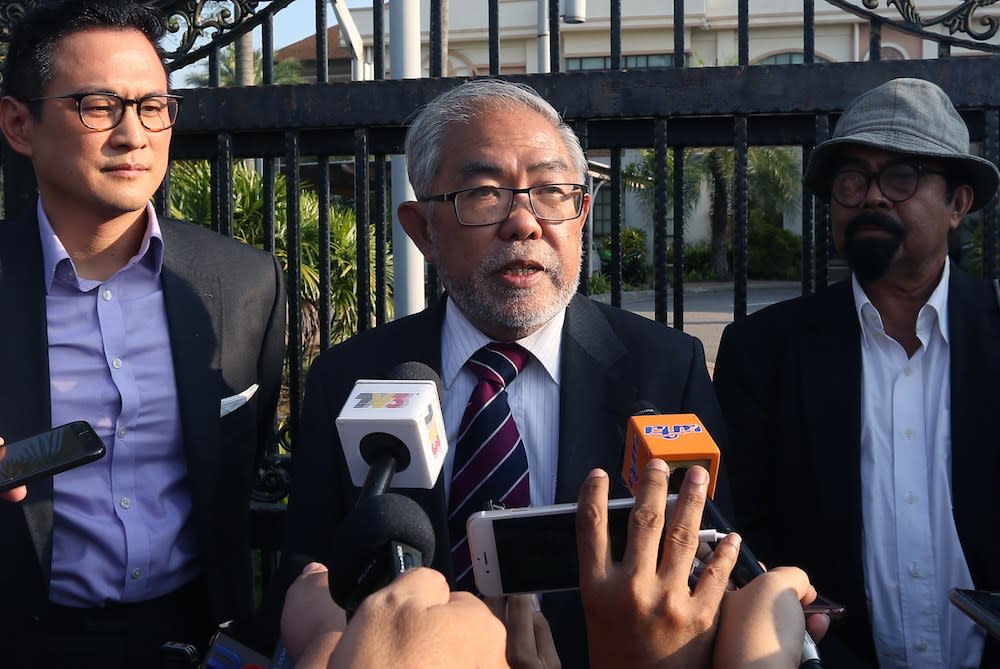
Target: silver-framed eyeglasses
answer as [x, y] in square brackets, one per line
[105, 111]
[898, 181]
[488, 205]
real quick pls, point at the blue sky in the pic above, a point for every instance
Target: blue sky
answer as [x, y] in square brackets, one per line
[298, 20]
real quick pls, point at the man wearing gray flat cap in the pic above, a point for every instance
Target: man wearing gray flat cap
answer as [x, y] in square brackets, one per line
[862, 418]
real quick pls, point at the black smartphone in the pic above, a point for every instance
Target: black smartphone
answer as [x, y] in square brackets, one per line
[49, 453]
[980, 605]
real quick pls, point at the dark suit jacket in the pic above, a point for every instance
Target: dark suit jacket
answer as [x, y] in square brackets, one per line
[789, 382]
[610, 358]
[225, 305]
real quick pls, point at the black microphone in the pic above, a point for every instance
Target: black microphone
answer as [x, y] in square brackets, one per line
[391, 431]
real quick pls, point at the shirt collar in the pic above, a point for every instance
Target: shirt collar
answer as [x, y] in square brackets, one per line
[54, 253]
[460, 339]
[934, 311]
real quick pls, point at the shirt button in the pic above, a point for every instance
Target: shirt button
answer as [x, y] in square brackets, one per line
[136, 573]
[121, 432]
[910, 498]
[106, 294]
[915, 573]
[125, 503]
[117, 363]
[909, 434]
[922, 646]
[908, 371]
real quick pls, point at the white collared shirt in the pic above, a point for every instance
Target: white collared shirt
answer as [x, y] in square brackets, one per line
[533, 396]
[912, 555]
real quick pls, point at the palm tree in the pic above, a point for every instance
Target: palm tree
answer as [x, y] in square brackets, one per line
[773, 181]
[287, 71]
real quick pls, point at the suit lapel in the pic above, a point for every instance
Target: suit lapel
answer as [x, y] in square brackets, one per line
[193, 302]
[24, 394]
[831, 383]
[591, 397]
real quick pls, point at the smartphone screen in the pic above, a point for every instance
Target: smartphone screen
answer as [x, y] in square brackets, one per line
[538, 553]
[49, 453]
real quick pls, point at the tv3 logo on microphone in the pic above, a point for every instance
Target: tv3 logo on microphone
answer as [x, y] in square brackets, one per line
[668, 432]
[383, 400]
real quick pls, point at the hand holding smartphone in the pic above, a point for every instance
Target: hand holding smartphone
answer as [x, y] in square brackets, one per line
[49, 453]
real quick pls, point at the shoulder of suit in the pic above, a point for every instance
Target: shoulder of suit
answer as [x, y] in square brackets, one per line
[628, 325]
[206, 239]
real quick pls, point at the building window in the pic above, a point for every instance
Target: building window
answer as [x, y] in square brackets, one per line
[788, 58]
[645, 61]
[602, 212]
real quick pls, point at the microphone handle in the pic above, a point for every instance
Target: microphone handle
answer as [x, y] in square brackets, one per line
[379, 477]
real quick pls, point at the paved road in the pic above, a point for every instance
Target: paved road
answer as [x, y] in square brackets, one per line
[708, 307]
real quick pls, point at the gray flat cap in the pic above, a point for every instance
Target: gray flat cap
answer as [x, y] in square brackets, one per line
[910, 116]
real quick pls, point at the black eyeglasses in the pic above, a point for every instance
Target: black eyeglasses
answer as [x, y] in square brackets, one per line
[897, 181]
[488, 205]
[105, 111]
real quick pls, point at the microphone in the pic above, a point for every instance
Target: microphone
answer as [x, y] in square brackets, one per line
[392, 432]
[682, 441]
[394, 429]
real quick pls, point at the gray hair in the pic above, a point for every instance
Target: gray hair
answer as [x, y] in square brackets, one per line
[464, 102]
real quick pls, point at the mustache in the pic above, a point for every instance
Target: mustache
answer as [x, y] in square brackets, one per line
[496, 261]
[874, 219]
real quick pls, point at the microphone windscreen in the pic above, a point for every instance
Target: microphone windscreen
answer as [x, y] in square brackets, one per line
[366, 532]
[416, 371]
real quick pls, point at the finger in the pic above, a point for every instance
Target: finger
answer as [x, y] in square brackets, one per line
[645, 522]
[497, 606]
[521, 648]
[680, 542]
[427, 587]
[714, 579]
[797, 580]
[817, 625]
[592, 528]
[544, 643]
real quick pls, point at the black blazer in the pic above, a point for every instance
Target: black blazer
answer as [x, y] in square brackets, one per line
[225, 304]
[789, 382]
[610, 358]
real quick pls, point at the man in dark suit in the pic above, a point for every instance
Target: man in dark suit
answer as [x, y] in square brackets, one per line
[165, 336]
[860, 418]
[500, 211]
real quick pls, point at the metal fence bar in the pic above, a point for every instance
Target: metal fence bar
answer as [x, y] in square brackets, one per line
[494, 24]
[222, 185]
[293, 282]
[378, 40]
[660, 219]
[435, 44]
[616, 34]
[362, 266]
[616, 227]
[677, 154]
[322, 48]
[324, 307]
[991, 147]
[741, 217]
[821, 236]
[381, 219]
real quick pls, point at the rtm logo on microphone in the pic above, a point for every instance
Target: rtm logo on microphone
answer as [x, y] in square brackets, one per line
[382, 400]
[432, 432]
[670, 431]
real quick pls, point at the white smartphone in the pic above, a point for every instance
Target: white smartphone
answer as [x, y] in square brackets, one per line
[533, 549]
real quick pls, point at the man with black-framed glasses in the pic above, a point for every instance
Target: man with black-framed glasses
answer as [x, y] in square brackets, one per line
[165, 336]
[499, 212]
[864, 414]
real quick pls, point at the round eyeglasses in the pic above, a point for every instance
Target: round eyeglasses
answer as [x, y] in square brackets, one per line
[897, 181]
[488, 205]
[105, 111]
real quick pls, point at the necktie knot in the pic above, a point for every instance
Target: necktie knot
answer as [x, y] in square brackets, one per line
[499, 363]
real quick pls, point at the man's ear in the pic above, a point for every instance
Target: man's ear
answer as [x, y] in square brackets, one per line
[17, 125]
[414, 217]
[961, 202]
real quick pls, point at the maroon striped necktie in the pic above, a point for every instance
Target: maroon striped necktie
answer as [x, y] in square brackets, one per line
[491, 466]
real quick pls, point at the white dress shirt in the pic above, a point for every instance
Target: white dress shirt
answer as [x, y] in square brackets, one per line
[533, 396]
[912, 554]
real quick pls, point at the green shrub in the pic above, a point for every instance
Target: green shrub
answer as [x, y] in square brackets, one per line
[773, 253]
[598, 284]
[635, 268]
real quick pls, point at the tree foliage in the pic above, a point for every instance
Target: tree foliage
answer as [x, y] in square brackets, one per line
[287, 71]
